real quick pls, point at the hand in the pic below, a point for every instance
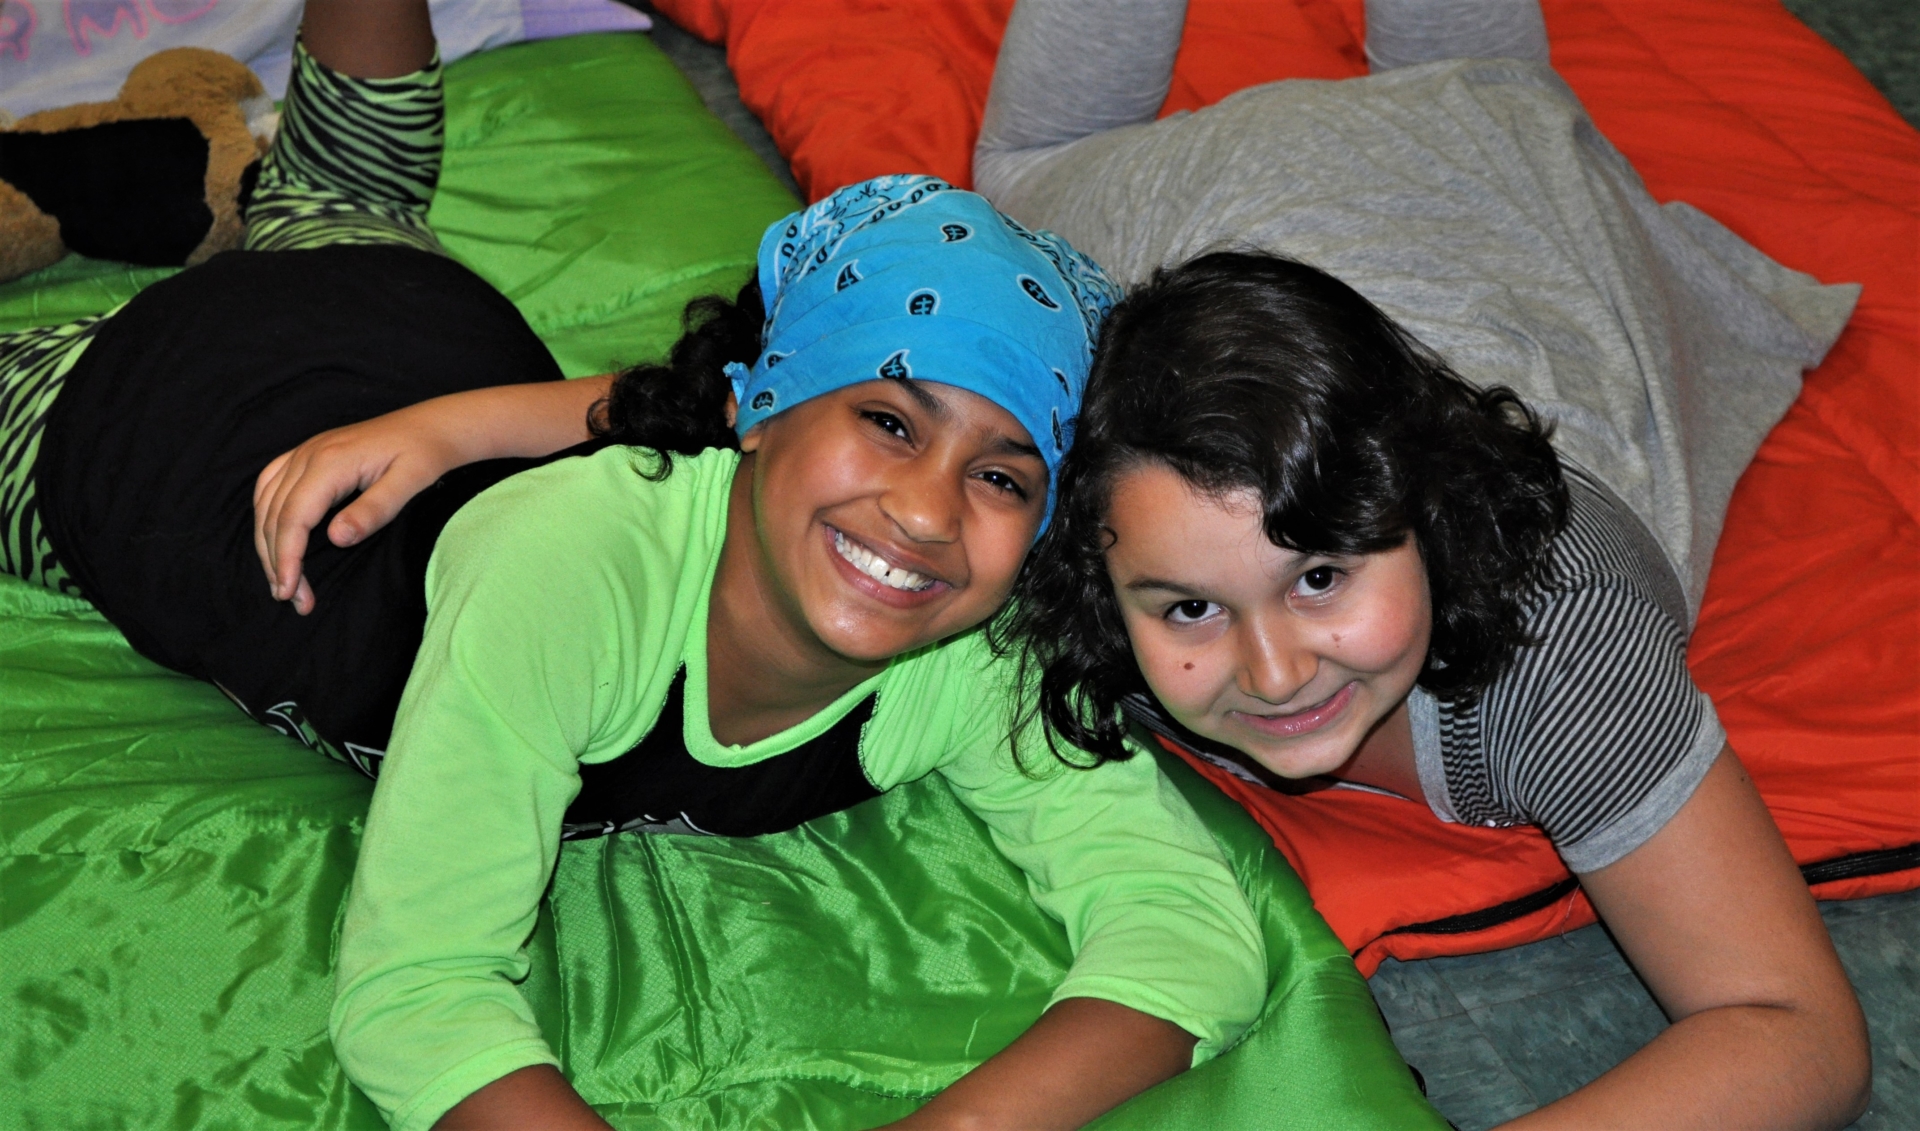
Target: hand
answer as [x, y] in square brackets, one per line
[392, 458]
[388, 459]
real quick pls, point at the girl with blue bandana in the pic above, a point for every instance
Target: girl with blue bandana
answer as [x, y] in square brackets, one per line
[751, 595]
[672, 636]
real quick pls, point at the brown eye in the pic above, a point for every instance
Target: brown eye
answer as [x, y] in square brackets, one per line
[1188, 612]
[1004, 482]
[1318, 580]
[889, 423]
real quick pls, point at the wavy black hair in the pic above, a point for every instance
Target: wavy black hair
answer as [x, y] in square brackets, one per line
[679, 406]
[1241, 370]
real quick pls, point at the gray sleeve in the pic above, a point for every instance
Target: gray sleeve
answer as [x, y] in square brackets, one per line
[1069, 69]
[1402, 33]
[1598, 733]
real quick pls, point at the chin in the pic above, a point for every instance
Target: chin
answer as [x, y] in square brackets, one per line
[1297, 768]
[1298, 760]
[866, 639]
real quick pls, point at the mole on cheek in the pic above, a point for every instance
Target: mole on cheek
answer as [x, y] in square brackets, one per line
[1188, 666]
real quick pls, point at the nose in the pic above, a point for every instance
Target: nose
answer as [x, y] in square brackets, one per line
[926, 499]
[1277, 659]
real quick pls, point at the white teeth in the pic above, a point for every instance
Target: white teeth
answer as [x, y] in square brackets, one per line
[877, 567]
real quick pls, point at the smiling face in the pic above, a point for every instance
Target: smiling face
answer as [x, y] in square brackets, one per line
[1290, 658]
[891, 514]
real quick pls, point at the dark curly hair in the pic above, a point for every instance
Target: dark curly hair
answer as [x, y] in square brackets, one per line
[1240, 371]
[679, 406]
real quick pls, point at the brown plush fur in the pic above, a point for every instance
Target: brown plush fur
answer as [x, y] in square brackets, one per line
[202, 86]
[29, 238]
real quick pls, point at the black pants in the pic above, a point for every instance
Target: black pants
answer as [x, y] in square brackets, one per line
[147, 466]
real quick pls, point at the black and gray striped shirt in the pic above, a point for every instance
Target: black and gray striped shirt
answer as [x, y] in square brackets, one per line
[1596, 733]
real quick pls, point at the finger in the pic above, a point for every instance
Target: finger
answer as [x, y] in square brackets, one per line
[289, 551]
[274, 518]
[299, 505]
[374, 509]
[264, 486]
[270, 473]
[303, 596]
[262, 548]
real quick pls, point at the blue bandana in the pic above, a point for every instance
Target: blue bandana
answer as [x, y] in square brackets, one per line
[907, 276]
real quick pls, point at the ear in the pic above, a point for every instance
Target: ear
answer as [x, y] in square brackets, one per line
[750, 440]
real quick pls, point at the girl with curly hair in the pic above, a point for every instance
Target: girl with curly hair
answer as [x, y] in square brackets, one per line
[1432, 515]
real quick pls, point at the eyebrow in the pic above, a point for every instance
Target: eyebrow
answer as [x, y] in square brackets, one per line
[938, 408]
[933, 405]
[1012, 446]
[1142, 583]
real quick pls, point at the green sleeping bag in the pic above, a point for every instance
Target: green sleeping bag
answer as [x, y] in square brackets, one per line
[171, 874]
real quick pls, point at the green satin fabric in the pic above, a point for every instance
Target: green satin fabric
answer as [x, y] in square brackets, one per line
[171, 875]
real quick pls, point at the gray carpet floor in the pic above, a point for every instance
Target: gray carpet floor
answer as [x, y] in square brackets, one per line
[1497, 1035]
[1882, 37]
[705, 66]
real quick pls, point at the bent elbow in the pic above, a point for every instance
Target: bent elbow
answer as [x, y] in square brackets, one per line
[1855, 1105]
[1850, 1067]
[1855, 1086]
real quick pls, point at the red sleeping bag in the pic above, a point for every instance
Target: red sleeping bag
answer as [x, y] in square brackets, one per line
[1809, 640]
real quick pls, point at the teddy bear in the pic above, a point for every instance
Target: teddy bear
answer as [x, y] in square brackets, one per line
[159, 176]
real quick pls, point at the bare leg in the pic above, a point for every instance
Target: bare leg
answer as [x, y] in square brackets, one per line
[324, 197]
[368, 39]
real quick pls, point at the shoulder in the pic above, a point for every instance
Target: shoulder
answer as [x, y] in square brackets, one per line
[588, 517]
[1606, 625]
[1605, 545]
[1598, 720]
[582, 555]
[966, 710]
[945, 703]
[564, 595]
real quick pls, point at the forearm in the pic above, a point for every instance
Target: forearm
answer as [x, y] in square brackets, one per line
[1083, 1057]
[1736, 1066]
[509, 420]
[1715, 917]
[531, 1097]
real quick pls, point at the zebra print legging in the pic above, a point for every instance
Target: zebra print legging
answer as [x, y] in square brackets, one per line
[355, 162]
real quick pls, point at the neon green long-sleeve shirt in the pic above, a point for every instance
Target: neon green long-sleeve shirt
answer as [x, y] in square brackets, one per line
[562, 602]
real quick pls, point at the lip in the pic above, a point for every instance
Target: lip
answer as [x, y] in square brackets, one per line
[867, 586]
[1300, 722]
